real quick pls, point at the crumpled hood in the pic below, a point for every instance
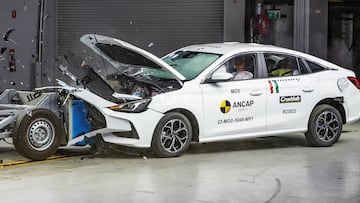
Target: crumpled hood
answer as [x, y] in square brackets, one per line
[122, 55]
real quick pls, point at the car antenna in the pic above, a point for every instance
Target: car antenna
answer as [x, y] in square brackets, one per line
[103, 60]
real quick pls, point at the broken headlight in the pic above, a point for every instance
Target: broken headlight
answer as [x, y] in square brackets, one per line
[132, 107]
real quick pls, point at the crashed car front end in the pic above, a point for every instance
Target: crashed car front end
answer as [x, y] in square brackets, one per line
[124, 94]
[117, 102]
[123, 125]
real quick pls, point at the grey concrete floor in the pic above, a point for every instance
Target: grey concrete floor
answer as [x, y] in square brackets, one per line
[273, 169]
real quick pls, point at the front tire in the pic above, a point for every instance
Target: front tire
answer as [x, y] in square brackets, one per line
[37, 136]
[325, 126]
[172, 135]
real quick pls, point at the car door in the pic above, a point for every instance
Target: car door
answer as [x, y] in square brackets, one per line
[290, 92]
[234, 107]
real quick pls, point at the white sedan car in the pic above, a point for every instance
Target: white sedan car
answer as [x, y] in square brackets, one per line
[191, 95]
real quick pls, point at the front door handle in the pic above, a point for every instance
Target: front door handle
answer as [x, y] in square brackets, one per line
[255, 93]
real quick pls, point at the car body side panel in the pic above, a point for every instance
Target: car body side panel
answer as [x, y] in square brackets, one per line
[351, 102]
[248, 135]
[187, 98]
[352, 108]
[288, 105]
[350, 94]
[234, 107]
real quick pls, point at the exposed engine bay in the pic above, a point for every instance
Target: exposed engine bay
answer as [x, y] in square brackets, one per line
[144, 85]
[138, 82]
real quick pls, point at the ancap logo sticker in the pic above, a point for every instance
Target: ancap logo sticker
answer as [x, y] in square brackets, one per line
[225, 106]
[274, 87]
[289, 99]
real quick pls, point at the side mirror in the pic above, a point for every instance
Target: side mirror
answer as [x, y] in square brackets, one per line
[220, 77]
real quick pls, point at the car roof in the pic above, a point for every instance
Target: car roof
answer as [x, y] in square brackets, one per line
[238, 47]
[226, 47]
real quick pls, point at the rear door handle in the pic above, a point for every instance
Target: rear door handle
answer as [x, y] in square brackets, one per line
[307, 89]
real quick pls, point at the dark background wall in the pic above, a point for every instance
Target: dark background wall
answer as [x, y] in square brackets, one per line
[23, 16]
[318, 26]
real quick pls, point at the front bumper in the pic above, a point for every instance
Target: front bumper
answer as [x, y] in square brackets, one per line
[128, 129]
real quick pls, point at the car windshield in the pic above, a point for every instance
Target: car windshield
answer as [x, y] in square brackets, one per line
[189, 63]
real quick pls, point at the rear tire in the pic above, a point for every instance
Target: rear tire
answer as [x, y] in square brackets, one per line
[172, 135]
[37, 136]
[325, 126]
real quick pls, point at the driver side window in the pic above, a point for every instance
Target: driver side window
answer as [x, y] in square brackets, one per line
[241, 67]
[244, 67]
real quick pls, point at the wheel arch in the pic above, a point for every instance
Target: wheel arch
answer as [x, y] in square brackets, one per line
[337, 104]
[194, 122]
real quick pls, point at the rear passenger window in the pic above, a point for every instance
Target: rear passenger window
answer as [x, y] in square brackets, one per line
[315, 67]
[280, 65]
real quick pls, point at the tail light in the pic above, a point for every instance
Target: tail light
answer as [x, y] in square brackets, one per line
[354, 81]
